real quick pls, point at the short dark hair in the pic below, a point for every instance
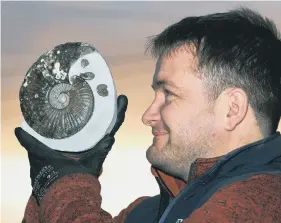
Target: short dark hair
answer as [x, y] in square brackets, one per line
[238, 48]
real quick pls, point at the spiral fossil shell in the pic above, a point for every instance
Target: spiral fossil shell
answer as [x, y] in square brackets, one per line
[54, 104]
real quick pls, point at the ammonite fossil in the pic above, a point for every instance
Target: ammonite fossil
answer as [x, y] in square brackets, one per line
[68, 98]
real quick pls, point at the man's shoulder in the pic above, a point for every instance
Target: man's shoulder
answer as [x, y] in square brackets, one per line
[255, 199]
[267, 184]
[257, 190]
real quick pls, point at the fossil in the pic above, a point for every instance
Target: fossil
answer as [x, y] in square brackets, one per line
[52, 106]
[102, 90]
[59, 93]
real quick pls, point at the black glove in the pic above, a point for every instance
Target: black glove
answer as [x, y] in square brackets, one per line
[48, 165]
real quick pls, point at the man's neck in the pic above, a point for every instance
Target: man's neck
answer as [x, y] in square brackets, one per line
[235, 141]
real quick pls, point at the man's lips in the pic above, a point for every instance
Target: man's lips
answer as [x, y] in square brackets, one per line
[159, 133]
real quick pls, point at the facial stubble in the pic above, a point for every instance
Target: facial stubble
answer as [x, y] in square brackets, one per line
[181, 149]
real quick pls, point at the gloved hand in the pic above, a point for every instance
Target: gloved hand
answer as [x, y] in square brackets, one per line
[48, 165]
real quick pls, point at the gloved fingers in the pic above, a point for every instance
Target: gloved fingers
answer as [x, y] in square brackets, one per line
[122, 104]
[26, 140]
[102, 147]
[33, 146]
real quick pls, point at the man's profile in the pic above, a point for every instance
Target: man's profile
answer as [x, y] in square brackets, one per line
[216, 151]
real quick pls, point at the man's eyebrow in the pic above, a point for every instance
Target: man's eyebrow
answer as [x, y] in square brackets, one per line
[159, 83]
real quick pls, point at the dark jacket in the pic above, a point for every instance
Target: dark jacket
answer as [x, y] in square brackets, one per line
[242, 186]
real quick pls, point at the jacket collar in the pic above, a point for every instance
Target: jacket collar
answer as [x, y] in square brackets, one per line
[258, 153]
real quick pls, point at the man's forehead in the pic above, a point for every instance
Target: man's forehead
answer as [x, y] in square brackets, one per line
[164, 75]
[182, 58]
[161, 78]
[163, 70]
[177, 71]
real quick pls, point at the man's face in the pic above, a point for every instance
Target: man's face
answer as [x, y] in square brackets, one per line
[181, 118]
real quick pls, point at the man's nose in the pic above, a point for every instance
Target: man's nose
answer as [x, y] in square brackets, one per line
[152, 115]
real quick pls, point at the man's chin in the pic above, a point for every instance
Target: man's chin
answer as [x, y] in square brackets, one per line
[155, 159]
[150, 154]
[153, 155]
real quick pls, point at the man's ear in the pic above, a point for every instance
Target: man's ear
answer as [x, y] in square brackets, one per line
[237, 108]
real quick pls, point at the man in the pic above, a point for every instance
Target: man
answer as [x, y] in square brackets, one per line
[216, 153]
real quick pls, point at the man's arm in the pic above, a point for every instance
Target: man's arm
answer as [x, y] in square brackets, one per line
[65, 185]
[74, 198]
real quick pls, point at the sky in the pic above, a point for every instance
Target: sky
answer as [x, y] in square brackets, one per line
[119, 30]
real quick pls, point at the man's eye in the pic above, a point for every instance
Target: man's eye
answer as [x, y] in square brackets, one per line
[167, 92]
[168, 96]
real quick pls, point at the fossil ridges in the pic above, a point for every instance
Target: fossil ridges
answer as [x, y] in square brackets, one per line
[52, 106]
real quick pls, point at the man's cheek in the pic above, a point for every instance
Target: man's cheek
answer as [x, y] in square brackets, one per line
[167, 122]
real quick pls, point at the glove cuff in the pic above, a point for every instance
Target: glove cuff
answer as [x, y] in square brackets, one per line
[48, 176]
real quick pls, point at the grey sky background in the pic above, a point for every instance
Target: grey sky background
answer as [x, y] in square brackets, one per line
[21, 21]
